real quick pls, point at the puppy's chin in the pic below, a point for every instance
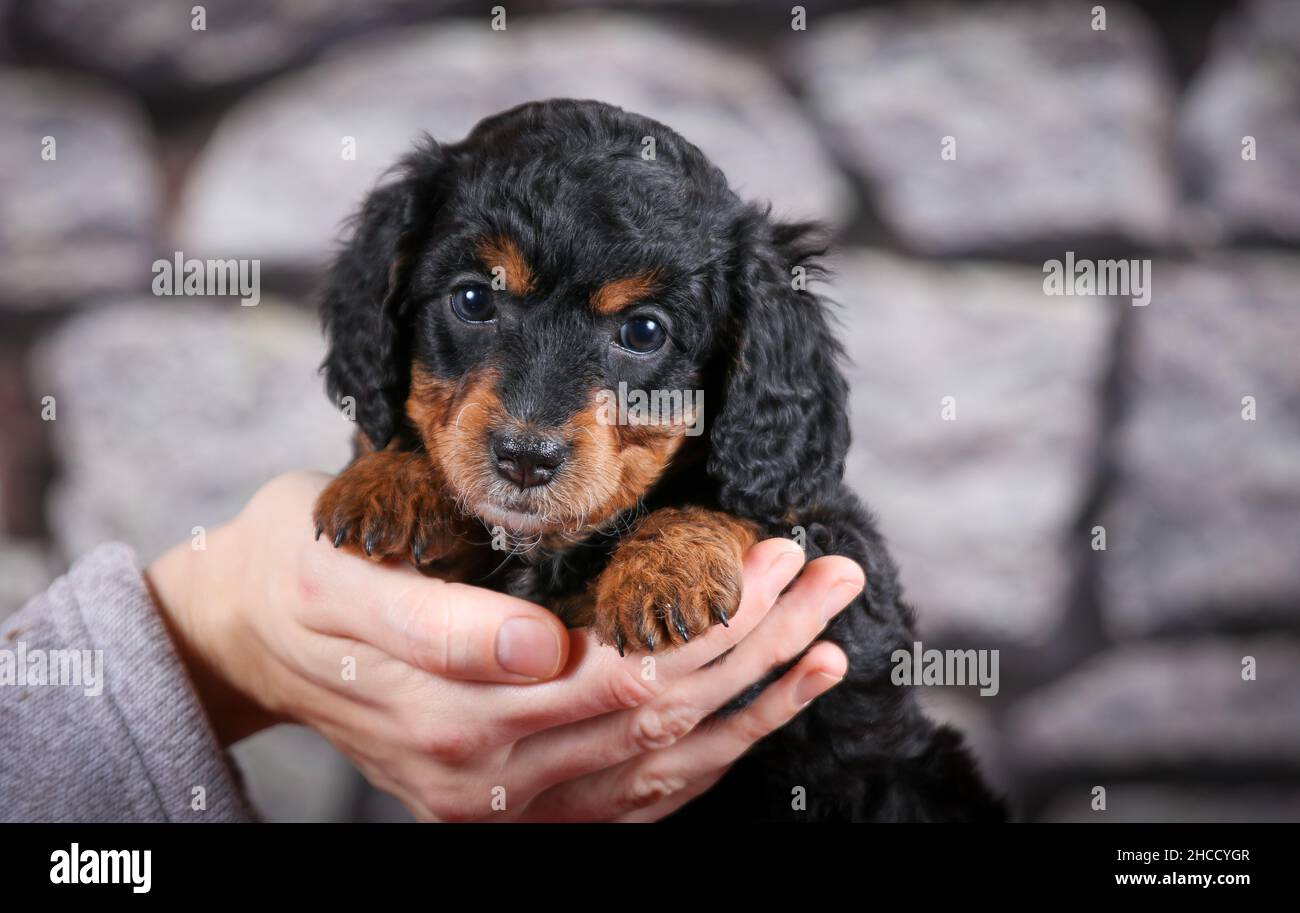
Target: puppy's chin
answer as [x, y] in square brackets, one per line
[520, 513]
[537, 512]
[514, 522]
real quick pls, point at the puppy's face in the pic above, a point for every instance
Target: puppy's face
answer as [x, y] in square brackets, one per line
[504, 298]
[554, 284]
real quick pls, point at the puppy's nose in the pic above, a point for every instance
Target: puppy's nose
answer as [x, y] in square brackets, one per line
[527, 461]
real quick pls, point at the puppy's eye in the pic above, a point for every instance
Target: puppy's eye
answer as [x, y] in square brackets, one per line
[473, 303]
[642, 334]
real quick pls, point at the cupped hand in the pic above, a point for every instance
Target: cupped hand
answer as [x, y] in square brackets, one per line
[468, 704]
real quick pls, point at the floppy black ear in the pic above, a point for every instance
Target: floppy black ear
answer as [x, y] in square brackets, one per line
[364, 306]
[777, 446]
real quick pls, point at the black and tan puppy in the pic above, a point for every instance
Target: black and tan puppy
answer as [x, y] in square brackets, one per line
[491, 293]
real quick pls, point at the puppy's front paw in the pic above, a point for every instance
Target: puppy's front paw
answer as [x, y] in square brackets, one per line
[388, 505]
[675, 577]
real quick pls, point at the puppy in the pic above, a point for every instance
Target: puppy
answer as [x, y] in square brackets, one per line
[493, 295]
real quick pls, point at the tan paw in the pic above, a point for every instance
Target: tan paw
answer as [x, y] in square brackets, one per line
[673, 579]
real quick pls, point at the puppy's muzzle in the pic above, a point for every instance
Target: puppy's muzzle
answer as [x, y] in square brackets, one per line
[527, 460]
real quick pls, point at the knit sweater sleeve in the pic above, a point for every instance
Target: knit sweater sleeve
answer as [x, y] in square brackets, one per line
[98, 718]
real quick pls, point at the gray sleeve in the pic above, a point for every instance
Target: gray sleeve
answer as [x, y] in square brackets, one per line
[98, 718]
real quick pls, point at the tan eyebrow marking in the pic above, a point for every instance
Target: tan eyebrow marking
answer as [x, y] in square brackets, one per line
[612, 297]
[502, 253]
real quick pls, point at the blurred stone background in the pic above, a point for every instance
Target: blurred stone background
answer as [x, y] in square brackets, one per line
[1119, 668]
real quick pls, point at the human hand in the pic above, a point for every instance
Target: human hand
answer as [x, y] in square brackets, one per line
[471, 705]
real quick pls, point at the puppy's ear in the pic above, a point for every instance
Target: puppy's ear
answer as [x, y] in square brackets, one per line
[364, 306]
[778, 444]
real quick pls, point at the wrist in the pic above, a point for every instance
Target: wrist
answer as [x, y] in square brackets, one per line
[196, 599]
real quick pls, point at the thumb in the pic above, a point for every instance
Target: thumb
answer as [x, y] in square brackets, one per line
[455, 630]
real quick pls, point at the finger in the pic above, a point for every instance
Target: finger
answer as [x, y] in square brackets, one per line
[658, 783]
[386, 706]
[825, 588]
[446, 629]
[701, 760]
[599, 681]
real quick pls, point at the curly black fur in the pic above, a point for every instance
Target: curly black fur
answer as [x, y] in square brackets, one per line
[567, 180]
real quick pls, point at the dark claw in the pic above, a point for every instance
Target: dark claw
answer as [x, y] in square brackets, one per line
[370, 542]
[680, 623]
[650, 641]
[340, 536]
[723, 617]
[320, 528]
[619, 642]
[417, 552]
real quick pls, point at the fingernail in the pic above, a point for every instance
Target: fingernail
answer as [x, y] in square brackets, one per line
[528, 647]
[782, 570]
[813, 684]
[839, 598]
